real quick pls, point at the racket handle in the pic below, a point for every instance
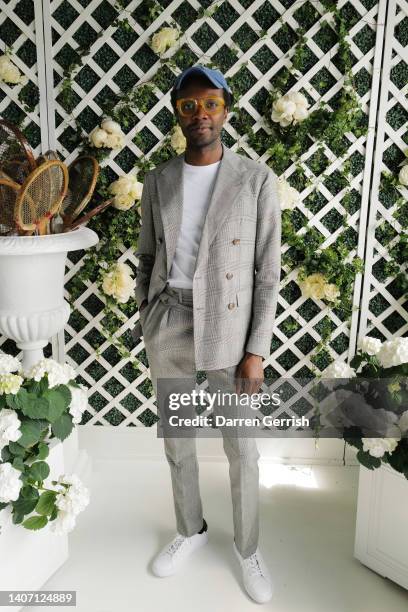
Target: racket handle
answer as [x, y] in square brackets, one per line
[42, 227]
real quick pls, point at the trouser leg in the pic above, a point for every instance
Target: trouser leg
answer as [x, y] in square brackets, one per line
[171, 343]
[242, 454]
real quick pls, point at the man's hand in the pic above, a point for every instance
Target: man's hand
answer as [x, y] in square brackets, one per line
[249, 374]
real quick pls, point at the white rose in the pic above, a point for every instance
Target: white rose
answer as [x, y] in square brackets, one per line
[288, 195]
[9, 364]
[369, 345]
[178, 140]
[378, 446]
[79, 402]
[9, 73]
[313, 286]
[98, 137]
[126, 190]
[114, 141]
[393, 352]
[10, 384]
[119, 283]
[10, 483]
[331, 292]
[112, 127]
[338, 369]
[164, 39]
[290, 108]
[403, 175]
[9, 427]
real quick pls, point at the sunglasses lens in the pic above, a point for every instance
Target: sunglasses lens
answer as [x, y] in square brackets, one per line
[211, 105]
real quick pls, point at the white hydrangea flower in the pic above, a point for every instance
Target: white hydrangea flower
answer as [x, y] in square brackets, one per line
[338, 369]
[9, 364]
[369, 345]
[164, 39]
[119, 283]
[10, 384]
[403, 175]
[79, 402]
[58, 374]
[178, 140]
[393, 352]
[9, 427]
[70, 502]
[10, 483]
[126, 189]
[377, 447]
[290, 109]
[9, 73]
[288, 195]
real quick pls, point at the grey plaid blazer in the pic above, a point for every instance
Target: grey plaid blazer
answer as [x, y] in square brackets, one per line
[237, 273]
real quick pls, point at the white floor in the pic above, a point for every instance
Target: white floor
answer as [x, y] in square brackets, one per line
[307, 535]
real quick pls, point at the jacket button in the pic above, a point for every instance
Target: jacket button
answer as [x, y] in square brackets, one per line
[231, 305]
[229, 275]
[235, 241]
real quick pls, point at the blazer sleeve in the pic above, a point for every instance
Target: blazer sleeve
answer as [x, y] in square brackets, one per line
[146, 248]
[267, 268]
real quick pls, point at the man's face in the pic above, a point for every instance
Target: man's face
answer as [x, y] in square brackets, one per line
[210, 124]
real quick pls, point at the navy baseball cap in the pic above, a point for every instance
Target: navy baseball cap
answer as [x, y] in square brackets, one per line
[215, 76]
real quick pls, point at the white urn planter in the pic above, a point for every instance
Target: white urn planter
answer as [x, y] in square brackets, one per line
[381, 541]
[32, 305]
[32, 310]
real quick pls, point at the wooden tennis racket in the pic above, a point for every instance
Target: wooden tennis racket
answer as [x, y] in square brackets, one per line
[83, 174]
[92, 213]
[8, 194]
[16, 156]
[40, 196]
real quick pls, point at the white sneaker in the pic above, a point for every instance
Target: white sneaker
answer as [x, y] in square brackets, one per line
[176, 552]
[257, 579]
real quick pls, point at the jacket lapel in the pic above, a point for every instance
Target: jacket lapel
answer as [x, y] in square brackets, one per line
[229, 182]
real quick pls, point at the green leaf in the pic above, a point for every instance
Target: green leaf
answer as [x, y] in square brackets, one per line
[57, 403]
[35, 522]
[18, 464]
[31, 431]
[43, 451]
[367, 460]
[62, 427]
[3, 505]
[26, 501]
[39, 471]
[33, 406]
[17, 518]
[16, 449]
[5, 454]
[46, 503]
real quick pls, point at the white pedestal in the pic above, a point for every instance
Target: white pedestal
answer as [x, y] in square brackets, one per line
[29, 558]
[381, 541]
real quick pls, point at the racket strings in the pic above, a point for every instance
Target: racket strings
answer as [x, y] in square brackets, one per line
[83, 173]
[8, 195]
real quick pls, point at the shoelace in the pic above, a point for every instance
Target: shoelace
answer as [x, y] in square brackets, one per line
[253, 565]
[175, 545]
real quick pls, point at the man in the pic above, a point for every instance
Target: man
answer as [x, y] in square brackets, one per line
[207, 288]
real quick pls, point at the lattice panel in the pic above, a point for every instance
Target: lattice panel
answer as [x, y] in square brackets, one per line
[384, 302]
[230, 38]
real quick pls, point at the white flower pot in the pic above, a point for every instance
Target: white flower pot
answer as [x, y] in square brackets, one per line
[381, 541]
[32, 556]
[32, 305]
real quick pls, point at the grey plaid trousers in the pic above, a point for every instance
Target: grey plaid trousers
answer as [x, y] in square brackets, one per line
[167, 324]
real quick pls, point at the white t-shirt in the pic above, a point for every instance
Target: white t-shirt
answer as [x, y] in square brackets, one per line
[198, 184]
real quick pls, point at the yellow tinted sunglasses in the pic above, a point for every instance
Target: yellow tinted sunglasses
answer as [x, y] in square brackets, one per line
[189, 106]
